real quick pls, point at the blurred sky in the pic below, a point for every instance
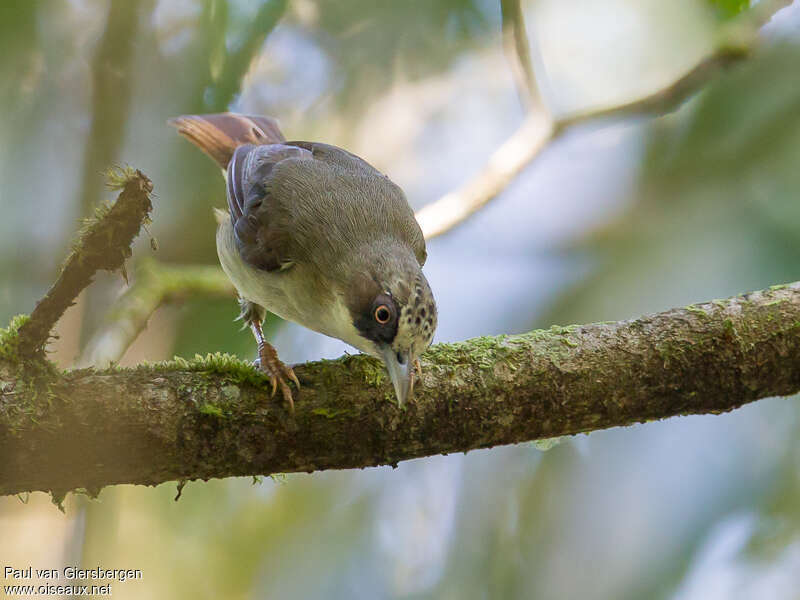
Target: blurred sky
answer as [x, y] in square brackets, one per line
[612, 221]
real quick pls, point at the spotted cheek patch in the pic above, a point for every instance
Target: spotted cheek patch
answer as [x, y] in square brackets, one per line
[429, 327]
[417, 323]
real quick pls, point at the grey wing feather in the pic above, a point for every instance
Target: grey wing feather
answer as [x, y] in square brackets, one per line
[332, 199]
[380, 186]
[261, 243]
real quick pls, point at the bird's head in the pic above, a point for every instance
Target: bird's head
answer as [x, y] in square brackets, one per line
[394, 313]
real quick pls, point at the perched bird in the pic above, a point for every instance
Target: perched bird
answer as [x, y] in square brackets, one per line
[317, 236]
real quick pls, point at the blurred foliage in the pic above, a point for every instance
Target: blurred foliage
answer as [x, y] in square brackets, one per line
[227, 67]
[729, 8]
[715, 210]
[619, 514]
[385, 39]
[18, 47]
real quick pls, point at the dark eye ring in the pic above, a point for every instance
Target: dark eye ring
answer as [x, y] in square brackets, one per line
[383, 314]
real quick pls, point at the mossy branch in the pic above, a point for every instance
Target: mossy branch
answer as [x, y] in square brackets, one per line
[103, 243]
[213, 417]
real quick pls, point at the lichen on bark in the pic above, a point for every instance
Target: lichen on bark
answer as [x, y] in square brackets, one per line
[213, 416]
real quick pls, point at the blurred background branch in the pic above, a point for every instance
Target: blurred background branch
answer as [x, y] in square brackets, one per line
[619, 217]
[112, 76]
[518, 49]
[228, 68]
[154, 284]
[735, 42]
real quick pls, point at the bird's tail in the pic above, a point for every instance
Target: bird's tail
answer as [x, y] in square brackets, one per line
[218, 135]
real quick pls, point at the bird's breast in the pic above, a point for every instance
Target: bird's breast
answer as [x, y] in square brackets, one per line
[300, 293]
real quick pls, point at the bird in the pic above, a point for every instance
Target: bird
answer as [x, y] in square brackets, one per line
[318, 236]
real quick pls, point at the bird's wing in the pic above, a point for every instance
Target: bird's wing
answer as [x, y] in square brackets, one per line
[246, 147]
[261, 236]
[403, 223]
[249, 147]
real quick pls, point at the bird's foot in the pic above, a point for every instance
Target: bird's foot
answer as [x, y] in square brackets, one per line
[279, 374]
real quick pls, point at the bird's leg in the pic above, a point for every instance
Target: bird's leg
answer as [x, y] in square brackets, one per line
[268, 361]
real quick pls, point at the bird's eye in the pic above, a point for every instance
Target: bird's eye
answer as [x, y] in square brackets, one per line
[383, 314]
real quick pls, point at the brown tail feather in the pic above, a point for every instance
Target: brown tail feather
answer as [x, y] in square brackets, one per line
[218, 135]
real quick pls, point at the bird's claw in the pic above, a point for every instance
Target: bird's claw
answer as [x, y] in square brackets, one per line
[269, 363]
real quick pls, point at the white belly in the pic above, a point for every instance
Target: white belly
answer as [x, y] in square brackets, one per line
[292, 294]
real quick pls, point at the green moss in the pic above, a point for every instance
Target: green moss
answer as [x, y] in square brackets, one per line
[118, 176]
[482, 351]
[57, 498]
[9, 338]
[32, 377]
[211, 410]
[554, 345]
[91, 493]
[546, 444]
[374, 372]
[782, 286]
[231, 368]
[331, 413]
[695, 309]
[562, 330]
[87, 226]
[231, 393]
[777, 301]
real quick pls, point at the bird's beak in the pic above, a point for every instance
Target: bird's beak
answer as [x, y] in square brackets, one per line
[399, 367]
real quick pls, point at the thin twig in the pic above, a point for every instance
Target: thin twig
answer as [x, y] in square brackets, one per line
[518, 47]
[112, 76]
[536, 131]
[104, 244]
[222, 91]
[734, 42]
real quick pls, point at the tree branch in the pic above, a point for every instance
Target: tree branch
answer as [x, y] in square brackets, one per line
[104, 244]
[213, 417]
[155, 284]
[112, 74]
[735, 42]
[236, 63]
[518, 49]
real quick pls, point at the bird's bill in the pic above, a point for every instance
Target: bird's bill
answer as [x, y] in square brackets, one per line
[399, 372]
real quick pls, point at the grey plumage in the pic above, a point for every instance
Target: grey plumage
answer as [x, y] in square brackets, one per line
[320, 237]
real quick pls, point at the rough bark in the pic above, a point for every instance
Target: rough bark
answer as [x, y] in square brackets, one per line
[104, 244]
[214, 417]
